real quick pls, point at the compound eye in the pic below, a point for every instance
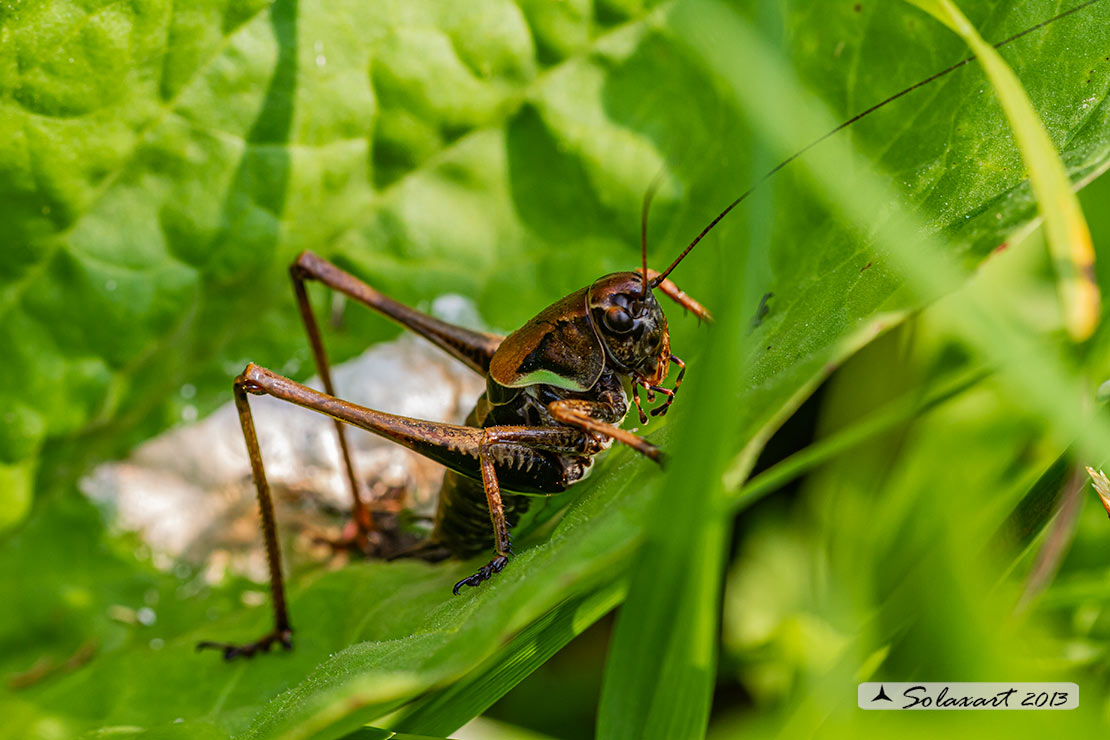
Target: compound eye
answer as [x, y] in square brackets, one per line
[618, 320]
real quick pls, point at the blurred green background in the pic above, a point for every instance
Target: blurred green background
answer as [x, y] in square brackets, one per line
[160, 166]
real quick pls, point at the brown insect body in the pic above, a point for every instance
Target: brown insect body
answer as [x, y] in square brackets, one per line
[585, 344]
[554, 399]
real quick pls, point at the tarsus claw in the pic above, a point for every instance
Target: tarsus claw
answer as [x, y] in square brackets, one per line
[232, 650]
[484, 573]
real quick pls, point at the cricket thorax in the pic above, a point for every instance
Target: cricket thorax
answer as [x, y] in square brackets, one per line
[529, 406]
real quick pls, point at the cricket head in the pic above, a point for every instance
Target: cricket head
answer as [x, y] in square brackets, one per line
[633, 331]
[631, 326]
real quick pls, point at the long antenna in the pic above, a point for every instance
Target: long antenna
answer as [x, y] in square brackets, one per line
[652, 189]
[662, 276]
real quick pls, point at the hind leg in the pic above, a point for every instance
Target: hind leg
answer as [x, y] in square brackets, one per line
[468, 450]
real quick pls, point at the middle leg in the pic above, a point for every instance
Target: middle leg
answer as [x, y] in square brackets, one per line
[358, 534]
[515, 448]
[472, 348]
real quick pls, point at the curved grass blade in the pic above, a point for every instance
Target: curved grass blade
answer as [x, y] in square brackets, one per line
[1036, 508]
[986, 322]
[661, 669]
[1069, 238]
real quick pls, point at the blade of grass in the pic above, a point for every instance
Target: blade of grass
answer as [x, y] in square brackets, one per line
[376, 733]
[891, 415]
[661, 669]
[659, 676]
[1066, 230]
[1036, 507]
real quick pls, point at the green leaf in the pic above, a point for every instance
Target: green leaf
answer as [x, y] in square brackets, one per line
[445, 710]
[157, 186]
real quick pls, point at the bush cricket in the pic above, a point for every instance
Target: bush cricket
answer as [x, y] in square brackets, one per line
[555, 397]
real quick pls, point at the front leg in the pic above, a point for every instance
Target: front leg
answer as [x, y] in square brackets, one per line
[597, 417]
[673, 292]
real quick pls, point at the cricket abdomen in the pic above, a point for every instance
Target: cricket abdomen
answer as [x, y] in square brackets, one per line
[462, 518]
